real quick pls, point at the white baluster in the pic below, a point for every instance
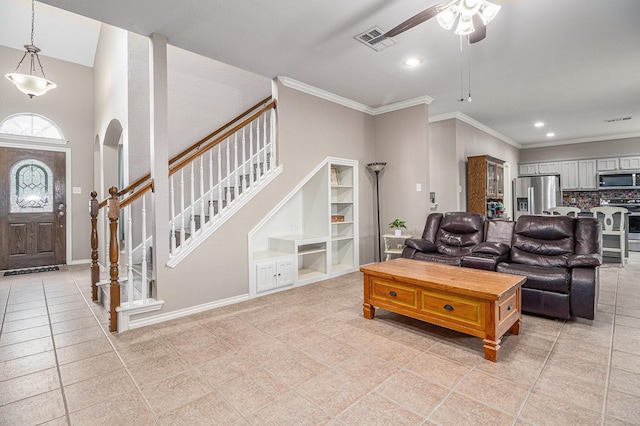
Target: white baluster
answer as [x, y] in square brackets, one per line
[201, 191]
[182, 213]
[211, 211]
[267, 163]
[260, 154]
[220, 204]
[272, 135]
[235, 165]
[129, 243]
[244, 166]
[192, 222]
[227, 177]
[253, 167]
[145, 284]
[173, 217]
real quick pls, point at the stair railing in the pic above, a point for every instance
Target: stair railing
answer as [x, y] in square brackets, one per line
[233, 158]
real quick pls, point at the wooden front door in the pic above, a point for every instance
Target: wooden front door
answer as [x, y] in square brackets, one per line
[33, 208]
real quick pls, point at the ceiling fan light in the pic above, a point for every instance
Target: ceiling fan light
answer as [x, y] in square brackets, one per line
[488, 11]
[470, 7]
[448, 17]
[31, 85]
[465, 25]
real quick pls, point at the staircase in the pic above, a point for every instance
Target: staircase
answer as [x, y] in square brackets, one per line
[208, 183]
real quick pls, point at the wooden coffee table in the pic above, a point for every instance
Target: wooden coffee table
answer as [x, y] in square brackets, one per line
[480, 303]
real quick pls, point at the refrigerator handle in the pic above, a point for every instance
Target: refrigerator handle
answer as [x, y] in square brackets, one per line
[530, 195]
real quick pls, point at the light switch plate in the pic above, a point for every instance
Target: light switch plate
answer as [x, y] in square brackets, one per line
[77, 190]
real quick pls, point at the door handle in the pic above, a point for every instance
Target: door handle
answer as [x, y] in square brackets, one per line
[60, 213]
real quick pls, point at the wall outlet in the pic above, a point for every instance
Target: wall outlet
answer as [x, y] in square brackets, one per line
[418, 187]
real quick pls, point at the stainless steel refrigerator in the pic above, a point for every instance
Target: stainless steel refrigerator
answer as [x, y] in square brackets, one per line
[536, 194]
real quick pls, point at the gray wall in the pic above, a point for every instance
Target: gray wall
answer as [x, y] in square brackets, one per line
[70, 106]
[600, 149]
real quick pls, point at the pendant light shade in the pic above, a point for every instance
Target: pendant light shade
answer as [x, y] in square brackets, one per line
[31, 84]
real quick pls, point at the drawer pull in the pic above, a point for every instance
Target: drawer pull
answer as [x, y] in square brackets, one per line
[393, 293]
[508, 307]
[448, 307]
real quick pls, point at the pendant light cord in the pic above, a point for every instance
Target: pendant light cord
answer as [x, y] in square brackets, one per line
[33, 18]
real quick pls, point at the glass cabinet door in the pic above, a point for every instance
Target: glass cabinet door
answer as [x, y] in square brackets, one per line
[499, 180]
[491, 179]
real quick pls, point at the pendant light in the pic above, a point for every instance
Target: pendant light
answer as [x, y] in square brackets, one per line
[31, 84]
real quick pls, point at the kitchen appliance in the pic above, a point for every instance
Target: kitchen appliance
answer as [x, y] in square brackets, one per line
[536, 194]
[620, 180]
[633, 227]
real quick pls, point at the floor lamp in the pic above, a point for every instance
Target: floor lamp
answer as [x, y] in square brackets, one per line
[377, 168]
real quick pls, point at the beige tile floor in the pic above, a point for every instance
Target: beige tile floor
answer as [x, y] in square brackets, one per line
[307, 356]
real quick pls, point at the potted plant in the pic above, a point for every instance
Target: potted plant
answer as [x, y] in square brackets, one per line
[397, 226]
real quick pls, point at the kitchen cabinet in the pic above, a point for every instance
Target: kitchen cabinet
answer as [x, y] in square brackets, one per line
[629, 163]
[552, 168]
[607, 164]
[485, 182]
[578, 175]
[527, 169]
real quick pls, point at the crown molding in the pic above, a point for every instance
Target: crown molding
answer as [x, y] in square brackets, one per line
[323, 94]
[581, 140]
[478, 125]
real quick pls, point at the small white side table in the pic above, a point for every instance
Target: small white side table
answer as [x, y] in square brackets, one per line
[391, 242]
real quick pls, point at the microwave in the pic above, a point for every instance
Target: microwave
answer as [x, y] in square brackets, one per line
[621, 180]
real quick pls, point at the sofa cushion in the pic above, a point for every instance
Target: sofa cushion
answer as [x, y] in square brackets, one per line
[545, 241]
[420, 245]
[459, 232]
[543, 278]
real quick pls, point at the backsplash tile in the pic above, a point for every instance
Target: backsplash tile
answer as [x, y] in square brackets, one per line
[588, 199]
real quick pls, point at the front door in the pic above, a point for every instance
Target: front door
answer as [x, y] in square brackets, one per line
[32, 208]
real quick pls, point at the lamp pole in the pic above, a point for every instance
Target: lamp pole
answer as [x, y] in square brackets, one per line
[377, 168]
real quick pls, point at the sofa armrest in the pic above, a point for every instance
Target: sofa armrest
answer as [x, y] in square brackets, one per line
[424, 246]
[584, 260]
[496, 249]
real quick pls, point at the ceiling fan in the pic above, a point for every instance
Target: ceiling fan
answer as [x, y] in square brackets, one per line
[472, 17]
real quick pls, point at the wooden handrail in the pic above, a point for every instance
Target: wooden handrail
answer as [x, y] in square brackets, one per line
[195, 146]
[139, 193]
[217, 140]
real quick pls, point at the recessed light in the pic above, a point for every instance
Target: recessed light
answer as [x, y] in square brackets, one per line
[412, 62]
[539, 124]
[550, 134]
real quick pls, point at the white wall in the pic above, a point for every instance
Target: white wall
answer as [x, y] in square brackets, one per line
[600, 149]
[70, 106]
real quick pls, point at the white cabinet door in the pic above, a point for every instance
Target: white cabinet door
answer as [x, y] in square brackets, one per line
[587, 175]
[266, 276]
[629, 163]
[548, 168]
[569, 175]
[527, 169]
[284, 269]
[607, 164]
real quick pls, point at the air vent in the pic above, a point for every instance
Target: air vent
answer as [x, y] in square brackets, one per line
[613, 120]
[375, 39]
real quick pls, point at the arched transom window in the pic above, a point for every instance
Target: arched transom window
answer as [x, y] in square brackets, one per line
[31, 126]
[31, 187]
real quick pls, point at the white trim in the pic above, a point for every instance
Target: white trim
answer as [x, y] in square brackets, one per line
[156, 319]
[33, 139]
[581, 140]
[126, 310]
[7, 143]
[478, 125]
[323, 94]
[248, 194]
[79, 262]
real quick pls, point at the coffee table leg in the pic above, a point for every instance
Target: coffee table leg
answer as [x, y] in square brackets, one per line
[368, 310]
[491, 349]
[515, 328]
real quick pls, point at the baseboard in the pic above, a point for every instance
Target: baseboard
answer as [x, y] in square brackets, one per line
[79, 262]
[156, 319]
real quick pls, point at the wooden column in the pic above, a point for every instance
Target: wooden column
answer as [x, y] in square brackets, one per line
[114, 287]
[95, 268]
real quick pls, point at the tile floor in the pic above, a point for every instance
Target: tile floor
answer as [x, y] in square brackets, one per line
[307, 356]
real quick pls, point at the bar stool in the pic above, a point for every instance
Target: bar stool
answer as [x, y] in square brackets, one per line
[608, 228]
[565, 211]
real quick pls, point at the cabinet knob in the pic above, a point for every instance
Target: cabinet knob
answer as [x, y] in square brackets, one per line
[448, 307]
[393, 293]
[508, 307]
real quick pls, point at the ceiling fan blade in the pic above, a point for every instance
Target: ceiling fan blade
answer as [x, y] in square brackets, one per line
[480, 30]
[413, 21]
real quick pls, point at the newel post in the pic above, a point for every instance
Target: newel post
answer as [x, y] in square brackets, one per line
[95, 269]
[114, 287]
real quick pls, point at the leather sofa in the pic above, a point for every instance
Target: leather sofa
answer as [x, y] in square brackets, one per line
[559, 255]
[446, 238]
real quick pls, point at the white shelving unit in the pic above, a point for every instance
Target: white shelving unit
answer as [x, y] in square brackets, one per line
[311, 235]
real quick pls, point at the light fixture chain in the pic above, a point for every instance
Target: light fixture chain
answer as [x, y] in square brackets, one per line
[33, 18]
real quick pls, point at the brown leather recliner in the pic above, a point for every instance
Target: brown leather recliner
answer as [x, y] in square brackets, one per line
[446, 238]
[494, 249]
[560, 256]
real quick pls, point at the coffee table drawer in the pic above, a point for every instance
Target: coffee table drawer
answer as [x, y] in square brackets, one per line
[449, 306]
[508, 307]
[393, 292]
